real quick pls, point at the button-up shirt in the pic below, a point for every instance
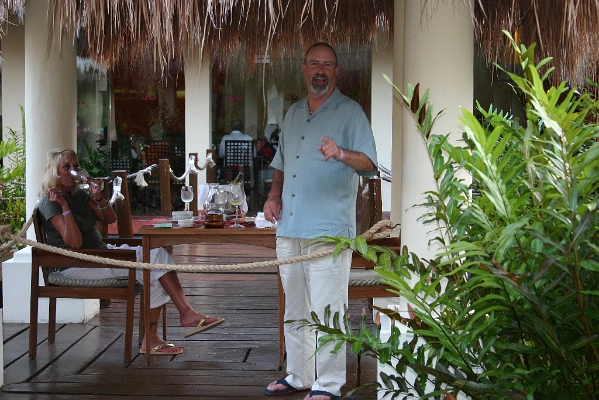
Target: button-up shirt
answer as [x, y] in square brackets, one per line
[319, 197]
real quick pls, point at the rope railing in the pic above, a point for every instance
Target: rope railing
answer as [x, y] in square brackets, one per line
[191, 166]
[370, 234]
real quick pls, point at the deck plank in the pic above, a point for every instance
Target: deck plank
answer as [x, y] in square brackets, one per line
[235, 360]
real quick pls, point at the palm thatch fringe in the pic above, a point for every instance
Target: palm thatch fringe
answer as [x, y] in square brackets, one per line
[566, 30]
[149, 40]
[146, 41]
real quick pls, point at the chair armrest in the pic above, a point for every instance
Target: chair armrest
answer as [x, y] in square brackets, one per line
[49, 259]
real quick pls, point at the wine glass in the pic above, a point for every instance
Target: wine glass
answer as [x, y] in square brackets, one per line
[220, 199]
[81, 177]
[187, 195]
[236, 198]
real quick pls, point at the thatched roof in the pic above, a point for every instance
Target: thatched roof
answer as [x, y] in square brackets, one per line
[567, 30]
[146, 40]
[143, 39]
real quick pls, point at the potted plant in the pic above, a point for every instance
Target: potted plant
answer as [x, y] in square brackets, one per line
[509, 307]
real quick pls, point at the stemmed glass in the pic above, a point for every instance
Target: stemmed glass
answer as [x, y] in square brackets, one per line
[187, 195]
[81, 177]
[236, 198]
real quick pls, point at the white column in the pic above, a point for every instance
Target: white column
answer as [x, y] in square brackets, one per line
[398, 110]
[439, 54]
[198, 106]
[382, 109]
[50, 95]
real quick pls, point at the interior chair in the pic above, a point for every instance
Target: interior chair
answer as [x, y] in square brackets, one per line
[56, 286]
[239, 157]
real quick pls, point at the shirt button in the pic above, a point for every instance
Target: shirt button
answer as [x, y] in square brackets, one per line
[293, 195]
[296, 157]
[303, 137]
[291, 213]
[294, 175]
[308, 120]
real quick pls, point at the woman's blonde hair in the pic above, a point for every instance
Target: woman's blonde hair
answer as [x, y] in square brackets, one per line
[54, 159]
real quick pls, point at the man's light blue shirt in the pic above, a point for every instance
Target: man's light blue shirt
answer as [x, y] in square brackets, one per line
[319, 197]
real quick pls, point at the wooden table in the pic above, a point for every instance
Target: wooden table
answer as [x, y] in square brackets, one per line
[164, 237]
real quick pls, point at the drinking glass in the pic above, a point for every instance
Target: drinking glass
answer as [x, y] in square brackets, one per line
[186, 195]
[220, 199]
[236, 198]
[81, 177]
[210, 201]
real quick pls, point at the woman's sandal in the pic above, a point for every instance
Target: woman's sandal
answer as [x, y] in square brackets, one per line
[157, 350]
[201, 327]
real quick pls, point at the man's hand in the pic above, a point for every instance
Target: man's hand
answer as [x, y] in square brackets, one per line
[329, 149]
[272, 209]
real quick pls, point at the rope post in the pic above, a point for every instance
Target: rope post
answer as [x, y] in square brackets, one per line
[166, 207]
[106, 193]
[193, 182]
[124, 223]
[211, 171]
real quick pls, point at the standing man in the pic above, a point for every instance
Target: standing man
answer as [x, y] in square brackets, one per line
[325, 143]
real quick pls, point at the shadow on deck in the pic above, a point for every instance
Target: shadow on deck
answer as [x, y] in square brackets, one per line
[236, 360]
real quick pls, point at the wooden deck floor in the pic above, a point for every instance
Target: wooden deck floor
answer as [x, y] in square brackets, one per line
[236, 360]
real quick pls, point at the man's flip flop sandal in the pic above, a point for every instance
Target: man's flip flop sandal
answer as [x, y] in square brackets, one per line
[201, 327]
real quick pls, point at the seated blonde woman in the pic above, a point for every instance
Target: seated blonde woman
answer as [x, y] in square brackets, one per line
[70, 217]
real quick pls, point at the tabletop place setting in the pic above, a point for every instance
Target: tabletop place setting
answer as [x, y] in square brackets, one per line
[223, 206]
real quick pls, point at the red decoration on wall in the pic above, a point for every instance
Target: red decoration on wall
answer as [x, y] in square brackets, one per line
[291, 97]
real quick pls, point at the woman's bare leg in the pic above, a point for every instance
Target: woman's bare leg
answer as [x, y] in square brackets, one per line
[188, 316]
[152, 337]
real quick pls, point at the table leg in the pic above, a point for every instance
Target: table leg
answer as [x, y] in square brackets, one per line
[281, 309]
[146, 294]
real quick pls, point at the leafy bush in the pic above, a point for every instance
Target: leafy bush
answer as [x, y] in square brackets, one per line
[96, 162]
[508, 309]
[12, 176]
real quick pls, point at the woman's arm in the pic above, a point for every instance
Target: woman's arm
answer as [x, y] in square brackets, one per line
[101, 206]
[65, 223]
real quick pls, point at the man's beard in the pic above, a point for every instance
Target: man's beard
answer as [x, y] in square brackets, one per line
[319, 89]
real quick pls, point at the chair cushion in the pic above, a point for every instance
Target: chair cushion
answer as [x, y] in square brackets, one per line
[366, 277]
[58, 279]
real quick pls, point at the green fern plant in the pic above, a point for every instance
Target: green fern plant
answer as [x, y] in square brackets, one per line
[12, 177]
[509, 307]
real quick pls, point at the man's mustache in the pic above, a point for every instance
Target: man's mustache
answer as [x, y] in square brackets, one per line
[320, 76]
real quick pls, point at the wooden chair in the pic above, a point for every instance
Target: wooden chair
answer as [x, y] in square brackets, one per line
[124, 223]
[54, 287]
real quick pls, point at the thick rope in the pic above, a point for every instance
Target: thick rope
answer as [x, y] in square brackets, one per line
[5, 233]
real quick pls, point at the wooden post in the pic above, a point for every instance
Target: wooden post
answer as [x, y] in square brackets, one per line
[124, 222]
[193, 182]
[106, 194]
[376, 201]
[211, 172]
[166, 206]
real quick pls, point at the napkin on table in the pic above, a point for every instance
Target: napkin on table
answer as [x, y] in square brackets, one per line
[261, 222]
